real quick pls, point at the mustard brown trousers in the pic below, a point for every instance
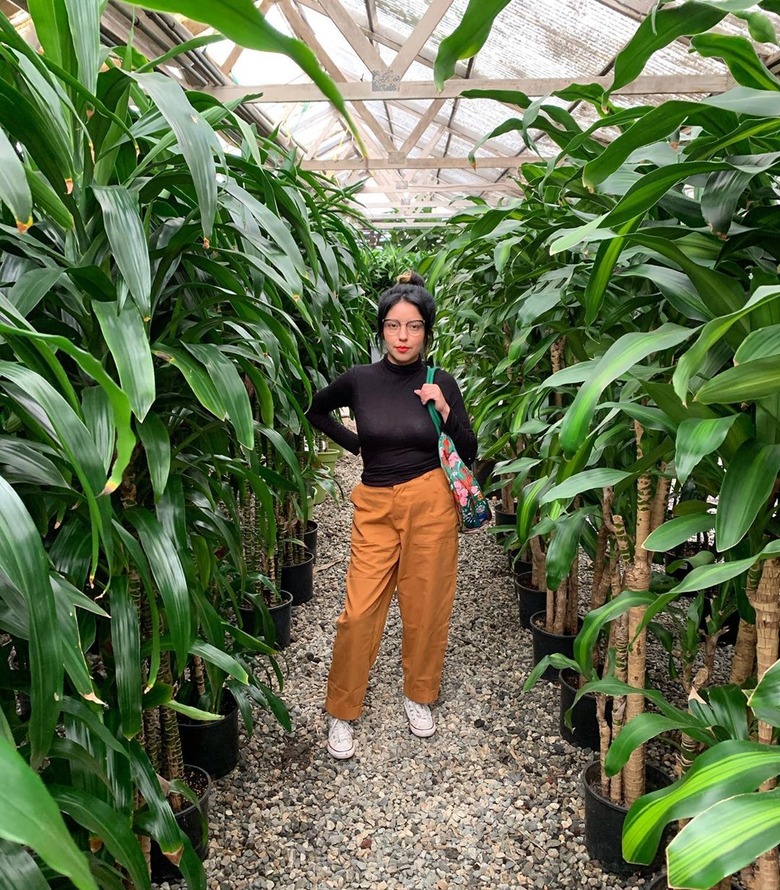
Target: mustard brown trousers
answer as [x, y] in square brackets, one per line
[404, 540]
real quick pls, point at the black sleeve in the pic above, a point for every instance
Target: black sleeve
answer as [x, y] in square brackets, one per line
[458, 425]
[337, 395]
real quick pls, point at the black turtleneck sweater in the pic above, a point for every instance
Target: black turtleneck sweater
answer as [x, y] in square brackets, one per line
[395, 434]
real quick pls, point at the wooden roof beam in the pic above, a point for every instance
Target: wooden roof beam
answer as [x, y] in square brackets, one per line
[644, 85]
[404, 163]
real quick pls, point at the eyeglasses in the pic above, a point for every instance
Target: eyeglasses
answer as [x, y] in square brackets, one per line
[392, 326]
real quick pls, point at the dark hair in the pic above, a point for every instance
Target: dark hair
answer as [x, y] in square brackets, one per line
[409, 288]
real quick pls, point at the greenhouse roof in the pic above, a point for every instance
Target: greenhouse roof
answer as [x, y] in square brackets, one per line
[417, 141]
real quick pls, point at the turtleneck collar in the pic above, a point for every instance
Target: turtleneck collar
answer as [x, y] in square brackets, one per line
[403, 370]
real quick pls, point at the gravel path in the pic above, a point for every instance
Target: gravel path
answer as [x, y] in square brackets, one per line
[492, 800]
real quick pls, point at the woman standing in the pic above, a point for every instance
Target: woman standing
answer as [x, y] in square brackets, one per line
[405, 528]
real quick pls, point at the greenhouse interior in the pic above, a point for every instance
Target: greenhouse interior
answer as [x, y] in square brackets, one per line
[385, 388]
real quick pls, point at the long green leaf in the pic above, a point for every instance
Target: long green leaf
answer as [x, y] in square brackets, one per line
[624, 353]
[763, 343]
[563, 548]
[597, 619]
[678, 530]
[244, 24]
[659, 30]
[696, 438]
[196, 376]
[169, 575]
[747, 382]
[113, 828]
[14, 190]
[127, 339]
[126, 645]
[126, 236]
[715, 330]
[157, 447]
[196, 139]
[749, 482]
[23, 562]
[724, 839]
[765, 698]
[587, 480]
[226, 378]
[19, 870]
[84, 22]
[29, 816]
[467, 39]
[85, 456]
[641, 729]
[223, 660]
[726, 769]
[741, 58]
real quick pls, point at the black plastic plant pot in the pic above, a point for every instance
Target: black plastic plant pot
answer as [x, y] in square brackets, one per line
[281, 615]
[503, 518]
[530, 599]
[299, 580]
[193, 821]
[546, 643]
[584, 732]
[310, 538]
[517, 566]
[604, 822]
[212, 745]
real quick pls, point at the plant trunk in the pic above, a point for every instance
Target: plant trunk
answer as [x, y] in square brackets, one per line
[538, 565]
[766, 602]
[745, 648]
[573, 597]
[619, 644]
[744, 653]
[557, 622]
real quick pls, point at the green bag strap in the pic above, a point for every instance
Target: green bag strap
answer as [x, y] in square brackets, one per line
[430, 406]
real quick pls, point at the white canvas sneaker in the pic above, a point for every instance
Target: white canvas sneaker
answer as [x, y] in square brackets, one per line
[420, 719]
[340, 743]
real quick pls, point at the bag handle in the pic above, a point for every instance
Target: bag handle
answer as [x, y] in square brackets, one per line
[430, 405]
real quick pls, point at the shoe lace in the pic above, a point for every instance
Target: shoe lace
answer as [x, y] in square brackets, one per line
[418, 711]
[341, 731]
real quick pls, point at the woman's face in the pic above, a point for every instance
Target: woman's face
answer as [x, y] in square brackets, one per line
[405, 344]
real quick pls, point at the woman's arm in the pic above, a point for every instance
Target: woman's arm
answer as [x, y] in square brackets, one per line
[337, 395]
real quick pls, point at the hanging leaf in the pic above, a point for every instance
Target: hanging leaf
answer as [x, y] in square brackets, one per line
[745, 383]
[624, 353]
[750, 479]
[14, 190]
[157, 447]
[227, 380]
[29, 816]
[727, 837]
[243, 23]
[128, 341]
[467, 39]
[726, 769]
[588, 480]
[564, 545]
[659, 30]
[696, 438]
[676, 531]
[23, 562]
[126, 236]
[740, 57]
[197, 141]
[692, 360]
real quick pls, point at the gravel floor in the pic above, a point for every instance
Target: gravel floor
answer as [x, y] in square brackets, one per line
[492, 800]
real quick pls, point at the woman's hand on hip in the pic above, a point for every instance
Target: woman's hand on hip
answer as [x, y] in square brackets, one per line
[430, 392]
